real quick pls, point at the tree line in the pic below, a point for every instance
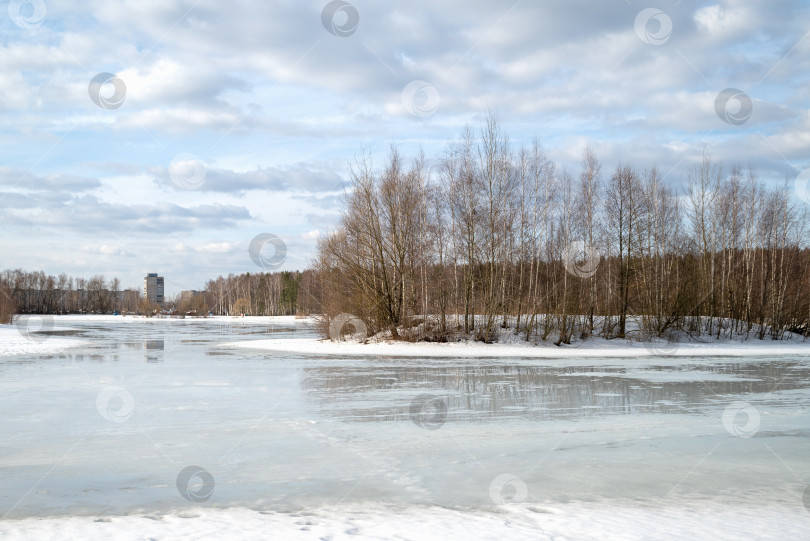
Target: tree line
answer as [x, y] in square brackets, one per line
[263, 294]
[34, 292]
[490, 237]
[271, 294]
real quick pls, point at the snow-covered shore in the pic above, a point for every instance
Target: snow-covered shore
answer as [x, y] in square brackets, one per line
[603, 521]
[17, 341]
[595, 347]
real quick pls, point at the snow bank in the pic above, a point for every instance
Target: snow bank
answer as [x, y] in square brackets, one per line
[596, 347]
[602, 521]
[14, 341]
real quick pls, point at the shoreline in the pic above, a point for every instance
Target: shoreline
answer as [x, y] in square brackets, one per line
[14, 341]
[594, 347]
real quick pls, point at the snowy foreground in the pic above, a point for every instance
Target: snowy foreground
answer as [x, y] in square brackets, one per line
[531, 522]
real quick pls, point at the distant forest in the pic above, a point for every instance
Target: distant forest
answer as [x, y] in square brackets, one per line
[249, 293]
[489, 237]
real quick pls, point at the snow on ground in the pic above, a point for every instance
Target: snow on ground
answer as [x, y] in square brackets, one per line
[375, 521]
[16, 340]
[595, 347]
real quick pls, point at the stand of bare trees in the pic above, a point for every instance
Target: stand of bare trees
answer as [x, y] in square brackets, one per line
[493, 237]
[261, 294]
[38, 293]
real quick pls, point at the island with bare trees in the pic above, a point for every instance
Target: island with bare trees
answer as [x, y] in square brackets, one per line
[488, 238]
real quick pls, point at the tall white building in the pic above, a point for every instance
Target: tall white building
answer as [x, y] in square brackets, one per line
[153, 288]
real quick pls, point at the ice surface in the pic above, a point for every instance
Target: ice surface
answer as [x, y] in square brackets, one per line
[591, 447]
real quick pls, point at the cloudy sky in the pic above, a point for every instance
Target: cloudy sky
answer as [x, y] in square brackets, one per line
[164, 135]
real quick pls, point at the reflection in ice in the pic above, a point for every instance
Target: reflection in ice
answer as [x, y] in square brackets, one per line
[482, 392]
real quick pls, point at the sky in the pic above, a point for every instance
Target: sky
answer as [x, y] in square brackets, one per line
[197, 138]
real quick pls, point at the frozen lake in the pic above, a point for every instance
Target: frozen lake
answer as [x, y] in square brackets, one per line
[113, 427]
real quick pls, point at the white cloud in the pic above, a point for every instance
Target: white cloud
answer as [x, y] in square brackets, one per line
[722, 20]
[218, 247]
[276, 108]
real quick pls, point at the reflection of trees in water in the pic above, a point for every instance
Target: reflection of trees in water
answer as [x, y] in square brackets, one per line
[152, 349]
[481, 392]
[77, 357]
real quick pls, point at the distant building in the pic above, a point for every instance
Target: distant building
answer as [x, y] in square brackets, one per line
[153, 288]
[186, 296]
[127, 299]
